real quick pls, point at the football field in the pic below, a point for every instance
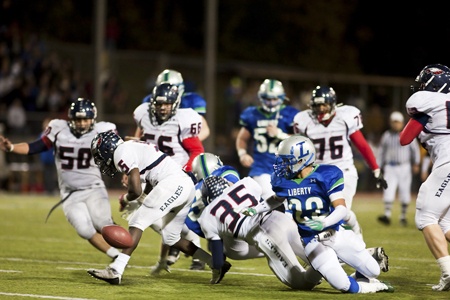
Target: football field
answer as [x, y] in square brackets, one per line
[41, 260]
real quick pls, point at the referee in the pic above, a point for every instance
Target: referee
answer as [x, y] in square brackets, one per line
[398, 164]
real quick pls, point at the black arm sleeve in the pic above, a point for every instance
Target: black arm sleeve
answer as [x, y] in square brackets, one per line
[37, 146]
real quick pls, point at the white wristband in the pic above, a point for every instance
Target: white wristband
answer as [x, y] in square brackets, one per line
[241, 152]
[11, 149]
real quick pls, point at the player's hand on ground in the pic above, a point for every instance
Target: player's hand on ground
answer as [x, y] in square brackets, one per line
[381, 182]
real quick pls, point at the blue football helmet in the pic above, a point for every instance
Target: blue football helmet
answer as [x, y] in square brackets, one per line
[164, 94]
[213, 186]
[204, 164]
[323, 95]
[173, 77]
[102, 148]
[434, 78]
[293, 155]
[81, 109]
[271, 94]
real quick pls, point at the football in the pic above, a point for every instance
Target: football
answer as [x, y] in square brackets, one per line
[117, 236]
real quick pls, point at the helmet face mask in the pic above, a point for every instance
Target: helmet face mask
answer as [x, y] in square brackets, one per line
[323, 103]
[204, 164]
[102, 148]
[271, 95]
[433, 78]
[163, 103]
[294, 154]
[173, 77]
[82, 116]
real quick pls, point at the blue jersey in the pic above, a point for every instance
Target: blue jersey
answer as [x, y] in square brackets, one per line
[255, 120]
[188, 100]
[309, 197]
[227, 172]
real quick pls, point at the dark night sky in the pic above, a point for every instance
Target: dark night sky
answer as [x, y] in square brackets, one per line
[393, 38]
[406, 36]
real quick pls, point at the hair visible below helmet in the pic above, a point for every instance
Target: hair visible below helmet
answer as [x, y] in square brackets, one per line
[213, 186]
[294, 154]
[173, 77]
[81, 109]
[204, 164]
[434, 78]
[102, 148]
[323, 95]
[271, 89]
[165, 93]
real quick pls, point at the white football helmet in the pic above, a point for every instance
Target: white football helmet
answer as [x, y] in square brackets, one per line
[269, 91]
[173, 77]
[204, 164]
[293, 155]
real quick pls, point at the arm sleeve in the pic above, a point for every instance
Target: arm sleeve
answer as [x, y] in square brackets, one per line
[39, 145]
[360, 142]
[410, 132]
[338, 214]
[194, 146]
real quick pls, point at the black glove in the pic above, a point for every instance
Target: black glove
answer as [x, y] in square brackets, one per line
[381, 182]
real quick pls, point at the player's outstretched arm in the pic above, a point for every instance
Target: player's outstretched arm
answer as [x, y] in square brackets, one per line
[7, 146]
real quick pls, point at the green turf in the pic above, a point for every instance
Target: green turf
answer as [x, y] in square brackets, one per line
[48, 260]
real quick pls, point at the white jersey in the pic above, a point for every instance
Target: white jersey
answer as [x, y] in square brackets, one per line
[74, 162]
[435, 136]
[332, 141]
[169, 135]
[153, 164]
[219, 218]
[273, 233]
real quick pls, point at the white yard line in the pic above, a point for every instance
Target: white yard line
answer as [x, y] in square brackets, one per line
[42, 296]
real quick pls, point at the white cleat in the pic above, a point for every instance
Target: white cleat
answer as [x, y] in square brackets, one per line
[444, 284]
[109, 275]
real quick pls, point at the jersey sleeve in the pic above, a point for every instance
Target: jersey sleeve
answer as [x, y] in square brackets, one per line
[53, 128]
[352, 117]
[127, 157]
[105, 126]
[301, 119]
[194, 101]
[189, 121]
[140, 112]
[333, 179]
[146, 99]
[419, 103]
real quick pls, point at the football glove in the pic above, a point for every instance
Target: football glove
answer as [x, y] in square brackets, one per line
[249, 211]
[314, 224]
[381, 182]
